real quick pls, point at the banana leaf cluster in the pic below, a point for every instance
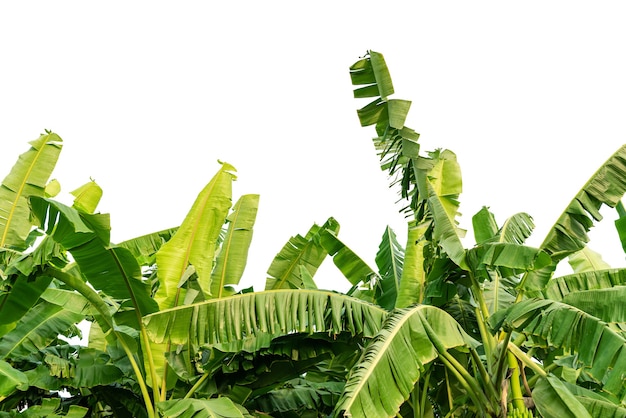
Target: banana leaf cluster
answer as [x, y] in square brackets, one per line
[434, 329]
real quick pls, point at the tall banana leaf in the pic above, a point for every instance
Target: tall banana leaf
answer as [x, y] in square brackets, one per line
[410, 340]
[233, 254]
[587, 260]
[413, 281]
[28, 177]
[569, 233]
[298, 260]
[390, 262]
[254, 316]
[195, 241]
[145, 247]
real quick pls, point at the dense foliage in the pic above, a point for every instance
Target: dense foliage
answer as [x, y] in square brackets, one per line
[434, 330]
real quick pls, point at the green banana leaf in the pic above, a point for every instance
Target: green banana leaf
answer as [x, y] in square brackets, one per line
[605, 304]
[569, 233]
[598, 347]
[390, 261]
[145, 247]
[51, 408]
[554, 400]
[195, 241]
[11, 380]
[110, 269]
[413, 281]
[587, 260]
[351, 265]
[254, 316]
[28, 177]
[233, 254]
[22, 296]
[299, 259]
[391, 365]
[201, 408]
[38, 328]
[560, 287]
[371, 72]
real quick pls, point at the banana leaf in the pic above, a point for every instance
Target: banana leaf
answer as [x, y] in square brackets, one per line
[110, 269]
[569, 233]
[554, 400]
[598, 347]
[299, 258]
[390, 261]
[87, 197]
[145, 247]
[391, 365]
[560, 287]
[255, 316]
[413, 281]
[351, 265]
[28, 177]
[233, 254]
[11, 380]
[587, 260]
[195, 241]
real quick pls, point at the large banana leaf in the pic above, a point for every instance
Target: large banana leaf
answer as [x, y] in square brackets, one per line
[569, 233]
[233, 255]
[112, 270]
[254, 316]
[587, 260]
[28, 177]
[597, 345]
[392, 364]
[605, 304]
[390, 262]
[299, 259]
[195, 242]
[23, 294]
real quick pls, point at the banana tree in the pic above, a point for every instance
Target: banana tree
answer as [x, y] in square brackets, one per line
[489, 330]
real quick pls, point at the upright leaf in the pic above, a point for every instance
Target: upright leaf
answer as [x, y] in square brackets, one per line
[351, 265]
[195, 241]
[28, 177]
[390, 262]
[233, 254]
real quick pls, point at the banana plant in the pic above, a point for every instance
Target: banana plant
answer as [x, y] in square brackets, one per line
[490, 344]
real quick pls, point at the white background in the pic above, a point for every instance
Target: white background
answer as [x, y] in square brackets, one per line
[147, 96]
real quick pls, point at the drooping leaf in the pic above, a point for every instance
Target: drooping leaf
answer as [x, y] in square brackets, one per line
[23, 294]
[351, 265]
[110, 269]
[597, 345]
[259, 315]
[195, 241]
[392, 364]
[560, 287]
[605, 304]
[233, 255]
[40, 326]
[299, 251]
[28, 177]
